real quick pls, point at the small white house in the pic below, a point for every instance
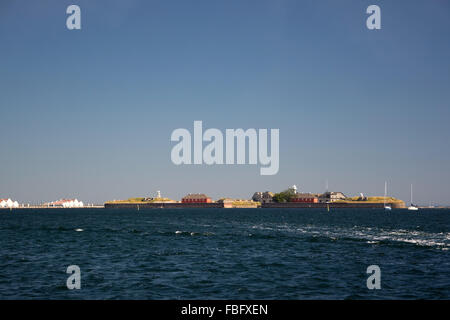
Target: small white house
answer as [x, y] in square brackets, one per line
[8, 203]
[67, 203]
[73, 204]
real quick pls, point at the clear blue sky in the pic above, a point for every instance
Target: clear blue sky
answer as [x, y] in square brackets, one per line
[89, 113]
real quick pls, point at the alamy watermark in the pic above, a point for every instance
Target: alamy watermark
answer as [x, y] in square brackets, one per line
[73, 22]
[74, 280]
[233, 153]
[373, 22]
[374, 280]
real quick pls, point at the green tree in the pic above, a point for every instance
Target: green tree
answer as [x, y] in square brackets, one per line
[284, 196]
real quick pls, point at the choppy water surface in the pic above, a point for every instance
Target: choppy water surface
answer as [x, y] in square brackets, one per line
[224, 253]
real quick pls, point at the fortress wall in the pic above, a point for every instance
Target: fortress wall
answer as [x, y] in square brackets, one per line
[331, 205]
[178, 205]
[171, 205]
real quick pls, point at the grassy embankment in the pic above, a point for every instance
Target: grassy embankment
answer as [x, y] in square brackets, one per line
[370, 200]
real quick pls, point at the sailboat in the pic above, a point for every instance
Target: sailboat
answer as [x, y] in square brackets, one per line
[412, 207]
[386, 207]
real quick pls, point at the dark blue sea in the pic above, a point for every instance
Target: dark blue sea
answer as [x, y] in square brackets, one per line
[224, 253]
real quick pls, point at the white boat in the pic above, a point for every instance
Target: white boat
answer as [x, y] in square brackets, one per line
[412, 207]
[386, 207]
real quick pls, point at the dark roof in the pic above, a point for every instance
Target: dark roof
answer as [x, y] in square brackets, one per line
[332, 193]
[303, 195]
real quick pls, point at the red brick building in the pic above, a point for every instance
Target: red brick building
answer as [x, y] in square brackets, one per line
[305, 198]
[196, 198]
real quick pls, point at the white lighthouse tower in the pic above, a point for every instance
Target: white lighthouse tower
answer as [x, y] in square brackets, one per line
[294, 188]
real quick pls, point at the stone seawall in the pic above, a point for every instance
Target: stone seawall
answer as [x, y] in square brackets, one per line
[394, 205]
[178, 205]
[168, 205]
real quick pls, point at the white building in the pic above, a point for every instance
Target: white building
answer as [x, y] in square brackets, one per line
[331, 197]
[66, 203]
[8, 203]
